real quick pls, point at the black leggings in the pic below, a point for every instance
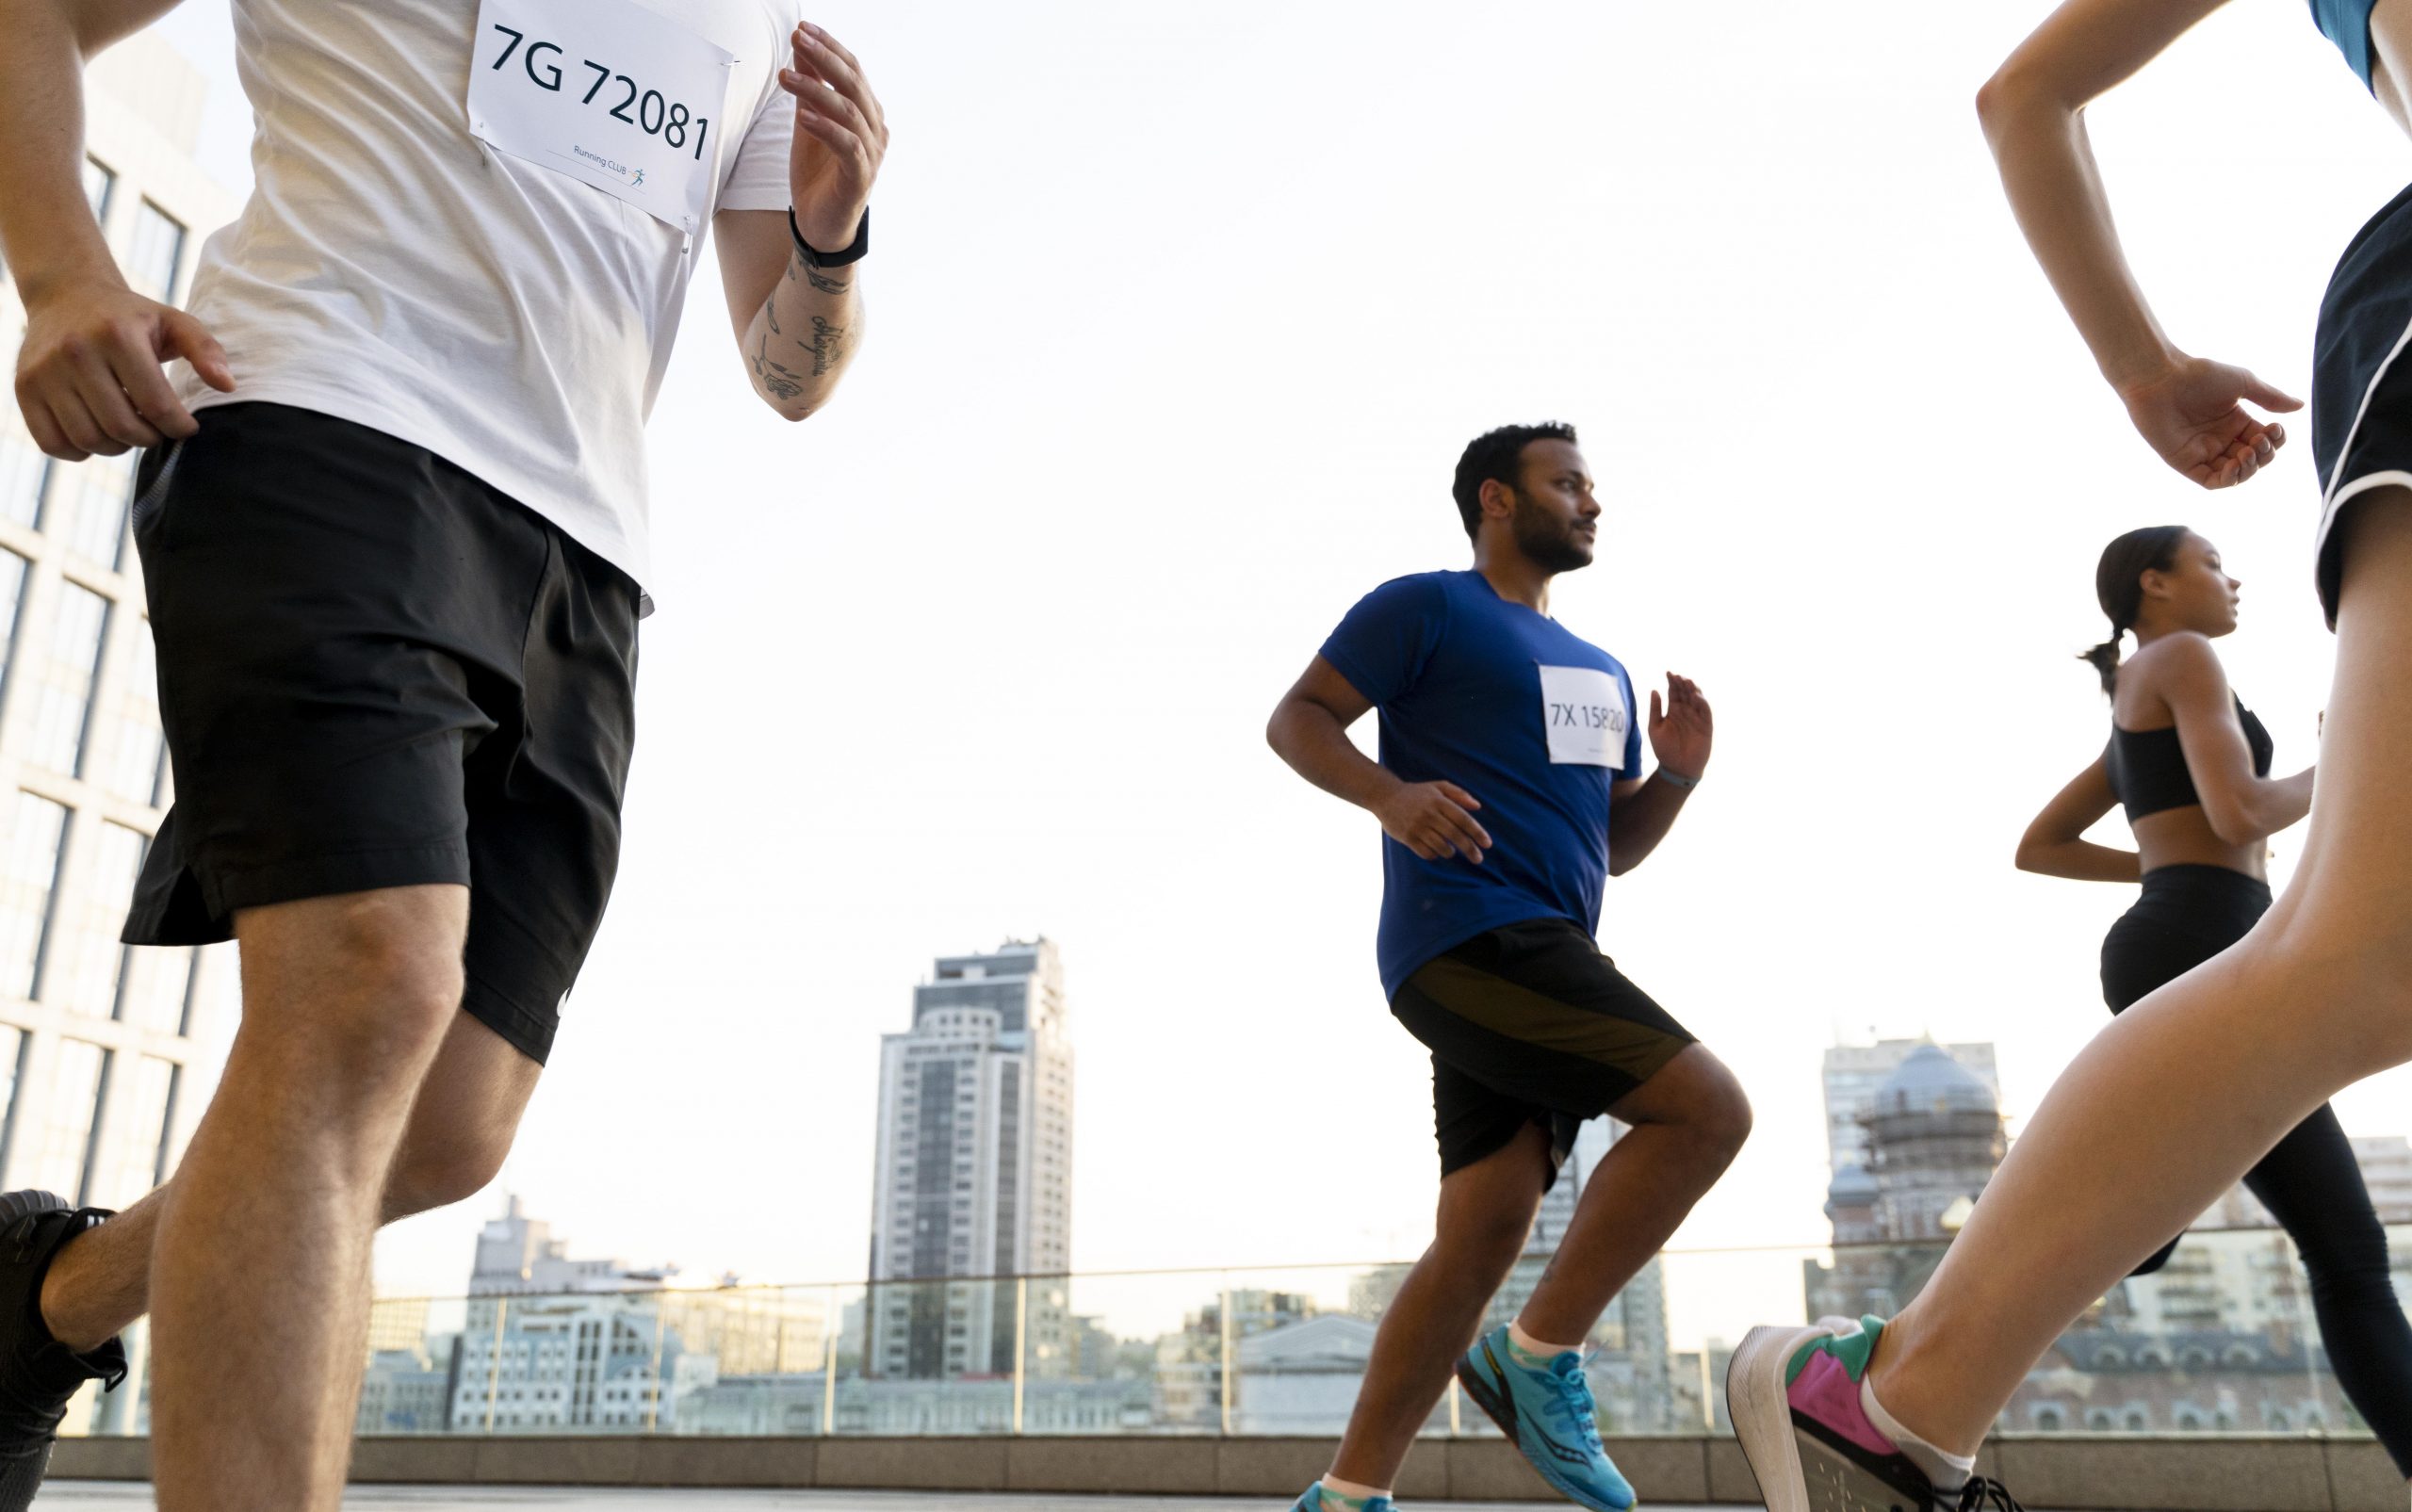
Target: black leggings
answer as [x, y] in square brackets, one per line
[2309, 1183]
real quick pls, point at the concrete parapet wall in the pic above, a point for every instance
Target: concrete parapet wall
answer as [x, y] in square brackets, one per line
[2109, 1473]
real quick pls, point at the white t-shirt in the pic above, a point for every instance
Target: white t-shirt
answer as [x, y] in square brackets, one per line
[393, 269]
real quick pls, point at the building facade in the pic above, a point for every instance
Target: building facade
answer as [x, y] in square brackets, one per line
[107, 1053]
[1930, 1138]
[1852, 1074]
[973, 1173]
[556, 1345]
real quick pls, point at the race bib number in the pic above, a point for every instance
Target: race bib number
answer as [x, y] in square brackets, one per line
[606, 92]
[1585, 712]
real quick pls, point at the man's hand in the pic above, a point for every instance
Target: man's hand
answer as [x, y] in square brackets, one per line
[840, 137]
[1682, 732]
[91, 378]
[1434, 820]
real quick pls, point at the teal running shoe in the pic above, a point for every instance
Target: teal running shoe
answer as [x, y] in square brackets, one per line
[1548, 1414]
[1312, 1502]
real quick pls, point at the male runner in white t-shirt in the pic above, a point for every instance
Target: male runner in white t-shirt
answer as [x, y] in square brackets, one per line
[392, 522]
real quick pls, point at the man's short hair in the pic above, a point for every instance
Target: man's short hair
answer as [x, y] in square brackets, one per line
[1498, 456]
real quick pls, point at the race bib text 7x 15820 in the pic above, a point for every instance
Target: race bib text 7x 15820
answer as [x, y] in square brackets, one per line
[606, 92]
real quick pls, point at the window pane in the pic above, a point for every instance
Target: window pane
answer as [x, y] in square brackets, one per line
[136, 746]
[98, 182]
[151, 261]
[70, 1114]
[158, 980]
[12, 594]
[23, 468]
[88, 983]
[63, 679]
[31, 873]
[12, 1062]
[87, 505]
[152, 1092]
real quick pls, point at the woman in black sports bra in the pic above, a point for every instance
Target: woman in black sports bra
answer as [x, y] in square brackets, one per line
[2190, 764]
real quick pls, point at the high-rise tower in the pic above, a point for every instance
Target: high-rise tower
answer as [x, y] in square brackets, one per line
[973, 1174]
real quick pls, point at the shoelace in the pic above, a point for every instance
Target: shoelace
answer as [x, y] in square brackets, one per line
[1980, 1493]
[1573, 1402]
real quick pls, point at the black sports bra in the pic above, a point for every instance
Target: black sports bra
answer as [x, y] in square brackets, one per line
[2148, 772]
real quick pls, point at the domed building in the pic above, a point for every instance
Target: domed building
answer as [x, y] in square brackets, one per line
[1933, 1140]
[1852, 1206]
[1936, 1138]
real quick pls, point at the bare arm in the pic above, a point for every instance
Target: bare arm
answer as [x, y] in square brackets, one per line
[797, 325]
[2241, 807]
[2055, 844]
[1310, 731]
[1642, 811]
[89, 376]
[2033, 109]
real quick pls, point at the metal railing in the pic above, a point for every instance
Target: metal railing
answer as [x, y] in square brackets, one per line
[2220, 1340]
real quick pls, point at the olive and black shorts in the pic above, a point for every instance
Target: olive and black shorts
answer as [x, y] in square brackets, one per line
[376, 671]
[1530, 1024]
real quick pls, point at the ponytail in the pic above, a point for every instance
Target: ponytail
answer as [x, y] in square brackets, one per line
[2105, 660]
[2119, 588]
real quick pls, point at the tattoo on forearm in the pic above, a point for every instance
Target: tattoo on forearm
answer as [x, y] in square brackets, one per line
[827, 345]
[821, 282]
[770, 312]
[778, 382]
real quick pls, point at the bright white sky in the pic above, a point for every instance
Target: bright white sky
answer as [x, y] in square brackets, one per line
[1180, 315]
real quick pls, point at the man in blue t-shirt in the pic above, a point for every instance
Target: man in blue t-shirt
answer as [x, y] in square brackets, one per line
[1510, 786]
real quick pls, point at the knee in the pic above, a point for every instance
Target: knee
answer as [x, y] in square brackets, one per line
[436, 1173]
[363, 987]
[2354, 970]
[1489, 1243]
[1718, 1114]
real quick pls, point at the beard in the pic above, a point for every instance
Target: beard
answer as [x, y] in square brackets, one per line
[1549, 543]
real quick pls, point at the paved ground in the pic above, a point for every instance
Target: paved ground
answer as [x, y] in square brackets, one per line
[65, 1496]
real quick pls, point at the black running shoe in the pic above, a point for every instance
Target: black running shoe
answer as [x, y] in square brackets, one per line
[37, 1374]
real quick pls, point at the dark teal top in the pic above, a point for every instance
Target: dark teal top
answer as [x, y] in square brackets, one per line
[2347, 23]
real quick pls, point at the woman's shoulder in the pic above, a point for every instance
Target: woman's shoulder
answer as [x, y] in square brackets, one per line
[2176, 668]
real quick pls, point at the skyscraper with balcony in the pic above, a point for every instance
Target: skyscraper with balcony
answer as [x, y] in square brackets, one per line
[107, 1052]
[974, 1172]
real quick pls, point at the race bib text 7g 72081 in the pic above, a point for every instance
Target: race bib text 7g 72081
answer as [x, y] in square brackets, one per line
[607, 91]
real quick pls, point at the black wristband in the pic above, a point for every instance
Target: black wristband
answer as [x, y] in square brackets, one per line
[852, 253]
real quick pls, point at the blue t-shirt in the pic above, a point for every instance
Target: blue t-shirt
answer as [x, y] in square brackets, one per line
[1533, 721]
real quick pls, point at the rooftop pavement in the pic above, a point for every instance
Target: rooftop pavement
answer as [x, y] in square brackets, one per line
[75, 1496]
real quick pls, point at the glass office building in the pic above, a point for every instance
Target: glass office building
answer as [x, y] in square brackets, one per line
[107, 1053]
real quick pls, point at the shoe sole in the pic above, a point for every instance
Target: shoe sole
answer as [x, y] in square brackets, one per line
[1503, 1414]
[1762, 1414]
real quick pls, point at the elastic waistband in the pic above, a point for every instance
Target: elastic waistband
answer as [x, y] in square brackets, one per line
[2192, 879]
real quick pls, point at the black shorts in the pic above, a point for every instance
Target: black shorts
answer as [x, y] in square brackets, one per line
[2361, 380]
[377, 672]
[1529, 1023]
